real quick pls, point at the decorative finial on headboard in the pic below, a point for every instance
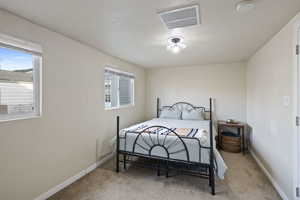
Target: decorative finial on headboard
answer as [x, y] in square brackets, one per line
[157, 107]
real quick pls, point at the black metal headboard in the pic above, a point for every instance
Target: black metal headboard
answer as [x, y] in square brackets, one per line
[185, 104]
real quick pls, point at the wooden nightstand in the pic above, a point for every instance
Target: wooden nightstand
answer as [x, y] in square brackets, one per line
[240, 131]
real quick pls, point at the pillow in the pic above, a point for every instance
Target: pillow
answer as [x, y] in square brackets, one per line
[192, 115]
[169, 113]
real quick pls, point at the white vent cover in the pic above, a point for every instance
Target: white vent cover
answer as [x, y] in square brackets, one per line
[181, 17]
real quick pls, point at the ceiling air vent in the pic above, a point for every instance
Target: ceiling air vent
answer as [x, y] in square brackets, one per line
[181, 17]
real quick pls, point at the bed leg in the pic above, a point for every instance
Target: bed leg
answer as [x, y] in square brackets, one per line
[209, 179]
[118, 147]
[212, 180]
[124, 161]
[158, 168]
[117, 162]
[167, 169]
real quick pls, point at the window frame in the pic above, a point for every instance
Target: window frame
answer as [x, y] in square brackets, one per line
[36, 51]
[132, 104]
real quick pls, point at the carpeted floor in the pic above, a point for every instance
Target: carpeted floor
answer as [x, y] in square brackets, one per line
[244, 181]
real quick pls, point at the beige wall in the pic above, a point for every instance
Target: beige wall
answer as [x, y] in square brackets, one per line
[225, 82]
[269, 78]
[74, 130]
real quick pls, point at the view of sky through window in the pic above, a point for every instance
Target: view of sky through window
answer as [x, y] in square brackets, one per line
[12, 60]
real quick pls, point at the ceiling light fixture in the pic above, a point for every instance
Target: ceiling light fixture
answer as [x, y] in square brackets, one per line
[175, 44]
[245, 6]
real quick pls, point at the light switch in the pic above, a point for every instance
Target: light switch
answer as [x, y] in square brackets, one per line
[286, 100]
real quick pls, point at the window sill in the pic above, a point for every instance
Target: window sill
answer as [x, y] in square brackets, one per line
[120, 107]
[19, 117]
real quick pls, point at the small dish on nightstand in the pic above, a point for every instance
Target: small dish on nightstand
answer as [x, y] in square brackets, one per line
[231, 121]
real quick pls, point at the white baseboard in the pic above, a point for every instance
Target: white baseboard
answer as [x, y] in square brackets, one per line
[272, 180]
[74, 178]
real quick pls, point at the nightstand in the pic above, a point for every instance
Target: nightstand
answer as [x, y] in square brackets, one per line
[222, 125]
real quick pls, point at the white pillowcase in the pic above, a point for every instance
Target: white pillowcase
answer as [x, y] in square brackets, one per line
[192, 115]
[170, 114]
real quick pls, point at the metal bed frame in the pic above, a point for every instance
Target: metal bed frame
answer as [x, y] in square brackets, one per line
[167, 164]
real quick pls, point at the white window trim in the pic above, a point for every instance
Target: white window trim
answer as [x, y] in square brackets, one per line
[120, 107]
[8, 118]
[19, 44]
[109, 67]
[35, 50]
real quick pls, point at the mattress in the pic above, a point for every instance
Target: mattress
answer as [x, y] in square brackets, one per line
[184, 149]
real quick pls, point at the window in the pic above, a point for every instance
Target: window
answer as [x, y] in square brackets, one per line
[118, 88]
[20, 65]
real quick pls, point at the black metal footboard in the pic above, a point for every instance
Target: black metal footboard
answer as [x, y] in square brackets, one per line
[164, 150]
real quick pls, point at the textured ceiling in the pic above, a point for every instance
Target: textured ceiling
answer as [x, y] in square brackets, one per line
[131, 29]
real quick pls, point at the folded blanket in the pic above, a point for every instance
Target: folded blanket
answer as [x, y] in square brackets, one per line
[202, 134]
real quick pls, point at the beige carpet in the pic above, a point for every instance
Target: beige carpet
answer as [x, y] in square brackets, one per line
[244, 181]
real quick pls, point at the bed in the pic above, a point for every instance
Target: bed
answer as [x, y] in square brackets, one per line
[171, 145]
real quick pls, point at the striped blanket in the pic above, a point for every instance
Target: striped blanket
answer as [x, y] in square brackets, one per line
[184, 132]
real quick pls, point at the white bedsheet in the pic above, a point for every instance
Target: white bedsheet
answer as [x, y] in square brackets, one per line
[192, 145]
